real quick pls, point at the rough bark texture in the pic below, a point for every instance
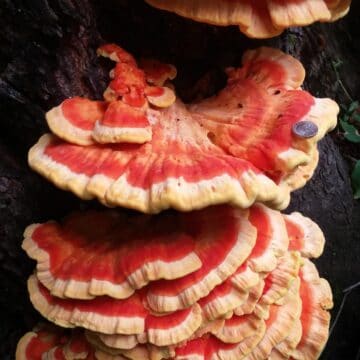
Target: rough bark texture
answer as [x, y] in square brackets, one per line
[47, 53]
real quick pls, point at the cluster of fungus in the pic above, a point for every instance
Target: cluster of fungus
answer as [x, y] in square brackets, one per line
[250, 142]
[257, 18]
[220, 275]
[217, 283]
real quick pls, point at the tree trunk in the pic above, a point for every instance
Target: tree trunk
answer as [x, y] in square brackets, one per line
[47, 53]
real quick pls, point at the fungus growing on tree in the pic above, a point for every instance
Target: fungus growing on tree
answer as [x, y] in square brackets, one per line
[279, 323]
[225, 304]
[122, 116]
[230, 281]
[316, 299]
[247, 337]
[53, 343]
[304, 235]
[112, 316]
[257, 19]
[278, 282]
[239, 146]
[270, 243]
[295, 327]
[238, 328]
[283, 350]
[112, 253]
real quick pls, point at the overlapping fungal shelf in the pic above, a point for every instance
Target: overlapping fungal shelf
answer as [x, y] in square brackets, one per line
[239, 285]
[257, 18]
[243, 145]
[231, 278]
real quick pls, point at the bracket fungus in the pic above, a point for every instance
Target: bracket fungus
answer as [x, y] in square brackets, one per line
[257, 18]
[194, 252]
[53, 343]
[278, 282]
[238, 328]
[218, 301]
[122, 116]
[316, 298]
[182, 257]
[304, 235]
[112, 316]
[270, 243]
[247, 337]
[229, 278]
[133, 250]
[236, 147]
[295, 328]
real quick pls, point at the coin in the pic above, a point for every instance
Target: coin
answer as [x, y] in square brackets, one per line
[305, 129]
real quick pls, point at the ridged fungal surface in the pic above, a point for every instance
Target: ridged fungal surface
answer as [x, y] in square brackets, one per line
[245, 289]
[257, 18]
[240, 146]
[230, 277]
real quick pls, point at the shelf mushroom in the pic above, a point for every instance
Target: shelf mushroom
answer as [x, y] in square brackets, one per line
[288, 331]
[107, 253]
[53, 343]
[122, 116]
[236, 294]
[230, 281]
[248, 337]
[253, 141]
[112, 316]
[180, 257]
[317, 299]
[257, 19]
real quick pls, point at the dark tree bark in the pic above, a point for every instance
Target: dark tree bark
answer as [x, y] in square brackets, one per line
[47, 53]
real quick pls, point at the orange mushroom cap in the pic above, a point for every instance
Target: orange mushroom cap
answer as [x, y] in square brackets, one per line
[218, 265]
[247, 336]
[257, 19]
[177, 247]
[283, 350]
[110, 253]
[237, 147]
[209, 347]
[238, 328]
[304, 235]
[281, 320]
[271, 243]
[316, 299]
[132, 251]
[112, 316]
[53, 343]
[279, 281]
[122, 117]
[295, 328]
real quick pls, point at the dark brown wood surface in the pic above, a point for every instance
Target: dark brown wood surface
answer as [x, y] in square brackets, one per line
[47, 53]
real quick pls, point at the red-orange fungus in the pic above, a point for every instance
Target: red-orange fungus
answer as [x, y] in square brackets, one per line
[296, 236]
[195, 155]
